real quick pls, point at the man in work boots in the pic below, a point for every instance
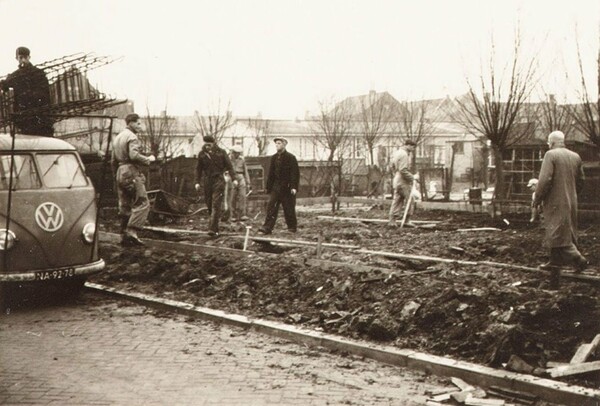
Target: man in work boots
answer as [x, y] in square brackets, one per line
[282, 185]
[240, 185]
[131, 182]
[561, 178]
[403, 180]
[213, 162]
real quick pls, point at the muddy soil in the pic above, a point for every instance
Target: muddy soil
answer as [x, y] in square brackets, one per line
[477, 313]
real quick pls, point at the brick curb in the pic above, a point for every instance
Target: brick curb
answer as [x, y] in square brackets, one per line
[545, 389]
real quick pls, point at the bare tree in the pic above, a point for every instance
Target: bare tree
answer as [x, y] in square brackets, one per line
[375, 117]
[261, 131]
[586, 115]
[553, 116]
[158, 134]
[331, 130]
[413, 122]
[497, 114]
[217, 121]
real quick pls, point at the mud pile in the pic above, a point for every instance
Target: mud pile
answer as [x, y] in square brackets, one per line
[477, 313]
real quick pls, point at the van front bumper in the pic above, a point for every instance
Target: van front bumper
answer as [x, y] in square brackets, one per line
[63, 273]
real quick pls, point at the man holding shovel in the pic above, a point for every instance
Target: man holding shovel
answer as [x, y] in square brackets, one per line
[403, 182]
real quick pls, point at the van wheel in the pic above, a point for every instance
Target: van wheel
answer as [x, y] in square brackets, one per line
[73, 287]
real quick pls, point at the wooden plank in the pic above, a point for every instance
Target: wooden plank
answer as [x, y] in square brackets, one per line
[174, 230]
[595, 344]
[470, 401]
[300, 242]
[582, 354]
[416, 257]
[479, 229]
[574, 369]
[553, 364]
[370, 220]
[462, 385]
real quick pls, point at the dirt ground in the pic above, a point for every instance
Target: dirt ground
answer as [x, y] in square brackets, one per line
[477, 313]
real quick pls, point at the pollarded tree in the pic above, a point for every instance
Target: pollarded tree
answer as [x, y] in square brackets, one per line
[261, 131]
[217, 121]
[157, 136]
[586, 114]
[331, 130]
[496, 108]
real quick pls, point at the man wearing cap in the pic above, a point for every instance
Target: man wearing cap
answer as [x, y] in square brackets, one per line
[131, 182]
[403, 180]
[561, 178]
[31, 93]
[240, 184]
[282, 185]
[213, 162]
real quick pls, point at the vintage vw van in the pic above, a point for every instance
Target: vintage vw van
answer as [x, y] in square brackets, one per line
[48, 226]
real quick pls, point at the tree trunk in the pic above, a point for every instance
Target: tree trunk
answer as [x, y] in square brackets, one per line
[499, 191]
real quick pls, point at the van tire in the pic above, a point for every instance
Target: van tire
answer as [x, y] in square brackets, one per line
[73, 287]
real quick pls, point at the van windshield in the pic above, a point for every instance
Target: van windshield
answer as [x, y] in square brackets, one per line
[61, 170]
[24, 174]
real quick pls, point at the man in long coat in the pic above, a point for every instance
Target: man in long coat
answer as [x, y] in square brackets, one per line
[282, 185]
[561, 178]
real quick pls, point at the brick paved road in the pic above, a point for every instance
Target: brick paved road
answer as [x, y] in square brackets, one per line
[102, 352]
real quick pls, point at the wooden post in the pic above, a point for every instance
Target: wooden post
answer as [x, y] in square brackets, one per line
[319, 245]
[246, 237]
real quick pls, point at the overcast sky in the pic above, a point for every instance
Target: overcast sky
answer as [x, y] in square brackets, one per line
[280, 57]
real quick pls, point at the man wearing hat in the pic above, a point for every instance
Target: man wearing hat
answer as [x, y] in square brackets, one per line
[240, 184]
[31, 92]
[403, 180]
[126, 162]
[213, 162]
[282, 185]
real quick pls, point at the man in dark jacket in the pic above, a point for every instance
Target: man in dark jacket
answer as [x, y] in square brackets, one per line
[31, 93]
[282, 185]
[213, 162]
[561, 178]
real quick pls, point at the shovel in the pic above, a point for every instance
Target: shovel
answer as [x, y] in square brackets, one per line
[407, 208]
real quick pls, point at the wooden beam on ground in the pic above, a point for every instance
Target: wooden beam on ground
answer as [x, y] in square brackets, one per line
[369, 220]
[417, 257]
[582, 354]
[574, 369]
[478, 229]
[300, 242]
[363, 200]
[167, 230]
[585, 351]
[178, 246]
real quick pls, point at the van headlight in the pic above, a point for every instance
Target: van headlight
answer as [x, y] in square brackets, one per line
[88, 232]
[7, 239]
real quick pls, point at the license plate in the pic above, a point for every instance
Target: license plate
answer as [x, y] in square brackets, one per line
[56, 274]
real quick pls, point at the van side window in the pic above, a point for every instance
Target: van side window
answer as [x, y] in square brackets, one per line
[24, 174]
[61, 170]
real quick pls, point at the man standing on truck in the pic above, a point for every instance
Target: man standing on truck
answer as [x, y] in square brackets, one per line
[213, 162]
[131, 182]
[31, 93]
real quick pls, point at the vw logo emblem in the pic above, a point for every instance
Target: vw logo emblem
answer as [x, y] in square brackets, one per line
[49, 216]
